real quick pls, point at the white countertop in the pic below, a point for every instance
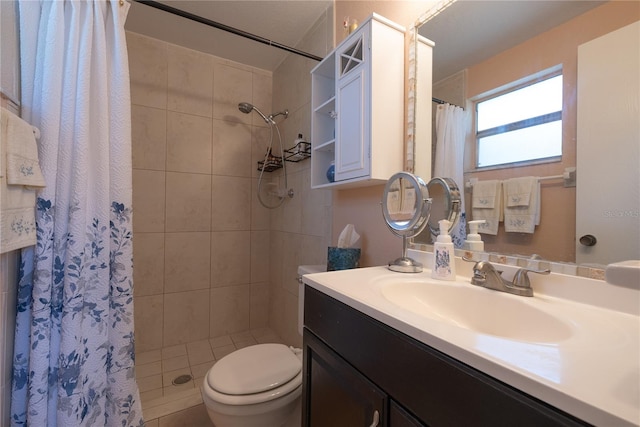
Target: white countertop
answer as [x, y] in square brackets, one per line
[594, 375]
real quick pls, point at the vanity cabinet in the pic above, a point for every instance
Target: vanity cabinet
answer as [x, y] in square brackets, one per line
[355, 366]
[357, 107]
[353, 399]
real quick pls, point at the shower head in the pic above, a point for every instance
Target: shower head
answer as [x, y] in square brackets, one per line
[247, 108]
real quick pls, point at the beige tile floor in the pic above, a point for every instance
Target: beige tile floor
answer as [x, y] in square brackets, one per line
[156, 370]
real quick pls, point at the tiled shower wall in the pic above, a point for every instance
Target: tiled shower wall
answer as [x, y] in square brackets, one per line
[201, 240]
[209, 260]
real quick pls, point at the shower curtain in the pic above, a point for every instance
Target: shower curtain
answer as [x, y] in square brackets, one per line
[74, 344]
[449, 158]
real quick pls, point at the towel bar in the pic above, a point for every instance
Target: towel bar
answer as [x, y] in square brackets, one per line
[569, 177]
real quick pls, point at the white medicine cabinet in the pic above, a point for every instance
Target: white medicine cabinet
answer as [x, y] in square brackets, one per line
[357, 108]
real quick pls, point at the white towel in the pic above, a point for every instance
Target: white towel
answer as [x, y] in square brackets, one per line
[17, 217]
[522, 204]
[17, 202]
[518, 191]
[22, 165]
[486, 204]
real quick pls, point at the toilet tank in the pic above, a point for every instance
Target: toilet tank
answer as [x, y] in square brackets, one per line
[302, 270]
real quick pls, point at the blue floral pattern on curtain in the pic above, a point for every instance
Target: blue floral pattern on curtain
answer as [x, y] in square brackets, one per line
[74, 345]
[89, 383]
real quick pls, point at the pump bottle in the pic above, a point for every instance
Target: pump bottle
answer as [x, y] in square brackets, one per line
[474, 241]
[444, 266]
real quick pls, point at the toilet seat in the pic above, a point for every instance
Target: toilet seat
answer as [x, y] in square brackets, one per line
[254, 374]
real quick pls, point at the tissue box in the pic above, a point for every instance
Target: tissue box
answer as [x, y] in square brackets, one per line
[342, 258]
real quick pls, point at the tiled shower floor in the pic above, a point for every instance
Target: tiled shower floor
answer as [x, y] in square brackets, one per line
[157, 369]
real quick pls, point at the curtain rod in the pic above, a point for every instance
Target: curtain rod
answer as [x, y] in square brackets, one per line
[227, 28]
[440, 101]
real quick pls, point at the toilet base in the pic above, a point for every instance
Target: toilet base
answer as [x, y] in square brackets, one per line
[275, 413]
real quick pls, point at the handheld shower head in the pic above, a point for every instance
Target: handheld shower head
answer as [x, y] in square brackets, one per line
[247, 108]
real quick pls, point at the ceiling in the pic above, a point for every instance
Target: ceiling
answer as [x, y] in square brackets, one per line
[465, 33]
[468, 32]
[283, 21]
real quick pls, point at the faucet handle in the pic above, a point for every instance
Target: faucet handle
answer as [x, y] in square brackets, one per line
[479, 265]
[480, 271]
[521, 279]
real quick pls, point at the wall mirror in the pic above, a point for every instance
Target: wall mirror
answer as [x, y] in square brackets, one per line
[468, 33]
[405, 206]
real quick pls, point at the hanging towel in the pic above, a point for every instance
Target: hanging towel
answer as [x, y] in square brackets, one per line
[522, 204]
[487, 204]
[19, 173]
[22, 165]
[17, 217]
[518, 191]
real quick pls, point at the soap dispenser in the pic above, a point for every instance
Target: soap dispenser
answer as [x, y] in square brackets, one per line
[444, 266]
[474, 241]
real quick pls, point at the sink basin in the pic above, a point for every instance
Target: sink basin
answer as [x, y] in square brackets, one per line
[477, 309]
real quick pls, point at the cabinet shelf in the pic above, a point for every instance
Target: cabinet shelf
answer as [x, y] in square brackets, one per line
[327, 107]
[326, 146]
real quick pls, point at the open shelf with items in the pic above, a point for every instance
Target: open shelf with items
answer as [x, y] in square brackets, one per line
[270, 166]
[323, 119]
[270, 163]
[299, 152]
[357, 108]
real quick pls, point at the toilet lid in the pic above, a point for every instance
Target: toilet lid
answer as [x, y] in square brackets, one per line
[254, 369]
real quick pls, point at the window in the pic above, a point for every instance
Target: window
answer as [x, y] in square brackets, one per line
[522, 125]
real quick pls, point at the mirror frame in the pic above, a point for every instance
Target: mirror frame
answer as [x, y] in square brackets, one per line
[412, 149]
[452, 202]
[422, 206]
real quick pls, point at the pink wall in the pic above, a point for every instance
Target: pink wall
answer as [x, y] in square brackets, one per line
[361, 207]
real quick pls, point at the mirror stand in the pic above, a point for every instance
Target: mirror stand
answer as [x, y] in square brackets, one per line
[404, 264]
[406, 206]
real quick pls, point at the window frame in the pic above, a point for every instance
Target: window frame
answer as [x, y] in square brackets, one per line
[522, 124]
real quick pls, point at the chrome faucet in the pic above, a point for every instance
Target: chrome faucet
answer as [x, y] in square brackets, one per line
[486, 275]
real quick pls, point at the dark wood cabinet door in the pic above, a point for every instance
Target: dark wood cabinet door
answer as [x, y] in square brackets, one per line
[399, 417]
[336, 394]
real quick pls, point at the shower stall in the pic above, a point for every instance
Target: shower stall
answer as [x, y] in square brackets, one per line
[210, 260]
[213, 267]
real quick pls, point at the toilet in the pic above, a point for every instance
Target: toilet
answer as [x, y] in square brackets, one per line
[256, 386]
[259, 386]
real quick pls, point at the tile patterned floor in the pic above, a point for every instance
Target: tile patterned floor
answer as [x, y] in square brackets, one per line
[156, 370]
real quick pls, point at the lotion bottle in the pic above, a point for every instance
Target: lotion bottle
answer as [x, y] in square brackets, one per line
[444, 266]
[474, 241]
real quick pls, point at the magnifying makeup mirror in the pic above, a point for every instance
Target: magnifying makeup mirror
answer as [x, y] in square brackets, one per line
[446, 203]
[406, 206]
